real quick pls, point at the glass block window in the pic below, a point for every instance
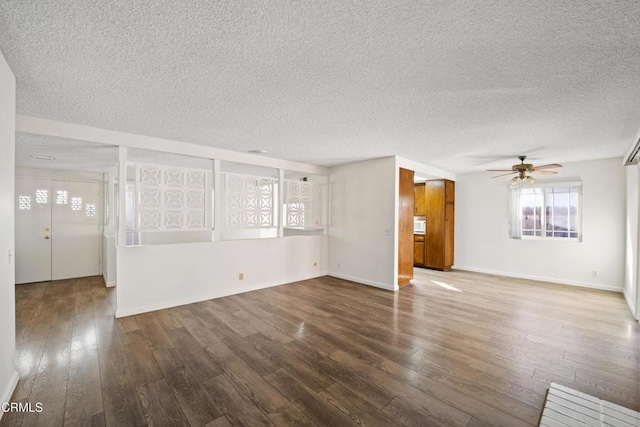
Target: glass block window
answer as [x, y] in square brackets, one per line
[90, 209]
[24, 203]
[76, 203]
[170, 198]
[61, 197]
[42, 196]
[249, 201]
[303, 204]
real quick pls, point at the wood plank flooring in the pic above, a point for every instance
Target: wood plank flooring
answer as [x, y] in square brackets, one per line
[455, 348]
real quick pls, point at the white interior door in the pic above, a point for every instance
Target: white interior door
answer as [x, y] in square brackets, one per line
[76, 229]
[33, 230]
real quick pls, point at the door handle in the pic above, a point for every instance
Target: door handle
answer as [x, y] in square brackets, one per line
[47, 237]
[47, 229]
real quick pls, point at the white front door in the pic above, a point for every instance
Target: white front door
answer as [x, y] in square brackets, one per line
[33, 230]
[76, 230]
[58, 229]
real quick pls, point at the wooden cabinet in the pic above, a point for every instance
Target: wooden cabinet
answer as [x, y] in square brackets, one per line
[439, 205]
[418, 250]
[419, 199]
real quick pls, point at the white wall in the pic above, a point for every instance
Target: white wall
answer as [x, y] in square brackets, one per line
[8, 374]
[362, 222]
[155, 277]
[631, 293]
[482, 240]
[63, 175]
[109, 258]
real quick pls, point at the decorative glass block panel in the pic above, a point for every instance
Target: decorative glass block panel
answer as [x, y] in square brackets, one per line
[196, 179]
[149, 176]
[173, 219]
[173, 198]
[76, 203]
[149, 198]
[303, 204]
[61, 197]
[170, 198]
[234, 184]
[42, 196]
[195, 200]
[234, 219]
[90, 209]
[149, 220]
[173, 178]
[250, 185]
[249, 219]
[24, 203]
[293, 189]
[249, 201]
[265, 202]
[195, 220]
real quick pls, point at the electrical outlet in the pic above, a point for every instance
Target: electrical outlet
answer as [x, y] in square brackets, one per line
[241, 276]
[594, 273]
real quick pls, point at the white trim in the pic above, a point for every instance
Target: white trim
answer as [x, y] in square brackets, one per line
[208, 296]
[8, 391]
[632, 307]
[380, 285]
[428, 172]
[551, 280]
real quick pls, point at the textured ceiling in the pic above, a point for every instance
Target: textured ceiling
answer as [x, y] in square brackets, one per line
[451, 84]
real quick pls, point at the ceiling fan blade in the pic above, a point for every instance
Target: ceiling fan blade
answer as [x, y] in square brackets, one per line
[499, 170]
[549, 166]
[545, 172]
[504, 174]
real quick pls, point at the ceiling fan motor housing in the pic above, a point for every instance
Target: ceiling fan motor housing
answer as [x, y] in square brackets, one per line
[523, 167]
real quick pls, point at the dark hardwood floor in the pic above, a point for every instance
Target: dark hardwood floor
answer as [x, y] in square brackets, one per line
[454, 348]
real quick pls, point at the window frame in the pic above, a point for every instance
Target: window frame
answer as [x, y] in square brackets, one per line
[543, 236]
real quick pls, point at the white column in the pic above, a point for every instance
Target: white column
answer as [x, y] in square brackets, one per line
[280, 202]
[217, 200]
[122, 197]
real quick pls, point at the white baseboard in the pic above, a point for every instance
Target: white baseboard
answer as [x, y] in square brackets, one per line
[107, 283]
[541, 278]
[380, 285]
[632, 306]
[8, 392]
[219, 293]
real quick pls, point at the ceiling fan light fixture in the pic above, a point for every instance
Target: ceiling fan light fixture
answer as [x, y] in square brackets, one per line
[523, 169]
[522, 180]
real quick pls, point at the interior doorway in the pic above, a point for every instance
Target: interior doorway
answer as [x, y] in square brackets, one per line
[58, 229]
